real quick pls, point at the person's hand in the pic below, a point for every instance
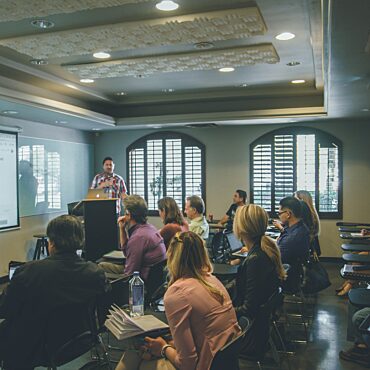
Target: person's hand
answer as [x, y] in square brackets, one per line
[122, 221]
[244, 250]
[365, 232]
[154, 345]
[278, 224]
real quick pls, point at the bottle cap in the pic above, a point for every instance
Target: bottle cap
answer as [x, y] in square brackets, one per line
[136, 273]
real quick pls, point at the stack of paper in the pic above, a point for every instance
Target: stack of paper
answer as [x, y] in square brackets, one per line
[122, 326]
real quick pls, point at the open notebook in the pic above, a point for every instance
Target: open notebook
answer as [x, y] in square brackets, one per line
[122, 326]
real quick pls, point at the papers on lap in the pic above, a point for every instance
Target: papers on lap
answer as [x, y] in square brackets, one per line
[115, 255]
[122, 326]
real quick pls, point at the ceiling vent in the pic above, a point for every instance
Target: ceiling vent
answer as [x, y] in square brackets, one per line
[201, 125]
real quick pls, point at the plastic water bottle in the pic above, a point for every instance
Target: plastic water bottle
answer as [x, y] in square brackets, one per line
[136, 298]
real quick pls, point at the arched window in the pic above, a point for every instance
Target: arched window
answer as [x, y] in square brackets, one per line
[297, 158]
[166, 164]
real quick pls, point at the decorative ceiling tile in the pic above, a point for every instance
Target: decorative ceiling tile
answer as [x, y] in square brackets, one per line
[16, 10]
[196, 61]
[189, 29]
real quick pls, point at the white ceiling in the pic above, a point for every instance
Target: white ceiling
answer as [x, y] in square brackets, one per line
[167, 79]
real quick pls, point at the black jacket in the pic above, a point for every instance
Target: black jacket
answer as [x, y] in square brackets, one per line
[256, 281]
[37, 288]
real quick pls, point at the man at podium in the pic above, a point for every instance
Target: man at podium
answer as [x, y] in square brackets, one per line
[110, 182]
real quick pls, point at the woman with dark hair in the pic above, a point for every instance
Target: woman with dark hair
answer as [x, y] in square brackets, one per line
[199, 312]
[258, 277]
[173, 220]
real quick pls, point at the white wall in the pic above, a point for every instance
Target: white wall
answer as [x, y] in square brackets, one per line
[18, 245]
[227, 166]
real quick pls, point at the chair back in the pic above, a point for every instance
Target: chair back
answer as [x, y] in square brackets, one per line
[274, 302]
[227, 356]
[70, 331]
[156, 278]
[216, 246]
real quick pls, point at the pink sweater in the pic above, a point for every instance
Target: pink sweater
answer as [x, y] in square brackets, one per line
[199, 324]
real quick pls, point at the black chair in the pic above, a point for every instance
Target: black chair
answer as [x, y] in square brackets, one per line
[227, 356]
[69, 332]
[217, 247]
[156, 278]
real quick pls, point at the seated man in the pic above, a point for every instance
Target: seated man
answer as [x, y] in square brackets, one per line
[294, 240]
[194, 208]
[39, 287]
[239, 199]
[140, 242]
[360, 352]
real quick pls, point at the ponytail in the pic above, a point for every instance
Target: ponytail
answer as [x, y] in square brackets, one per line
[269, 246]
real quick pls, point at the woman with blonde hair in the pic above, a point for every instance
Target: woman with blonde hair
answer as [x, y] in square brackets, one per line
[314, 222]
[258, 277]
[198, 308]
[173, 220]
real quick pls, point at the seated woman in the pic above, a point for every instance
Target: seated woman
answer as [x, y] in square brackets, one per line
[198, 308]
[259, 276]
[173, 220]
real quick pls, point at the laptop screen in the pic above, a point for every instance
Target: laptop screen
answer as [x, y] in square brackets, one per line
[234, 243]
[97, 194]
[13, 265]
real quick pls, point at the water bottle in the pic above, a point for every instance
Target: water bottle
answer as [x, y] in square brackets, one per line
[136, 299]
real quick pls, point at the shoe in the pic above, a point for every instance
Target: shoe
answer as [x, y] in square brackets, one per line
[344, 291]
[352, 356]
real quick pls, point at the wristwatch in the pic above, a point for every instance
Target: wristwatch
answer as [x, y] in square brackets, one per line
[163, 350]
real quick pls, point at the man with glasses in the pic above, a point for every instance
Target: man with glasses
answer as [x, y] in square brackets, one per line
[294, 240]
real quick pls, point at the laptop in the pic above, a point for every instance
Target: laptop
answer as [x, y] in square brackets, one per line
[13, 265]
[97, 194]
[235, 245]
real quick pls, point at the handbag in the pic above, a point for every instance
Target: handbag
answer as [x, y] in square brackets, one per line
[315, 277]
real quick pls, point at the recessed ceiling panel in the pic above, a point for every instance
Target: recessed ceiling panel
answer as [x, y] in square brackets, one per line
[190, 29]
[201, 61]
[16, 10]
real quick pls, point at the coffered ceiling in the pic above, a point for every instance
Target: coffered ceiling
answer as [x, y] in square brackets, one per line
[164, 68]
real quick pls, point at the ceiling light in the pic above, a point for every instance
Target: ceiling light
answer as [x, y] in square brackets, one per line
[157, 126]
[168, 90]
[42, 23]
[227, 69]
[204, 45]
[61, 122]
[365, 110]
[298, 81]
[87, 80]
[39, 62]
[96, 129]
[9, 112]
[121, 93]
[293, 64]
[101, 55]
[285, 36]
[167, 5]
[243, 85]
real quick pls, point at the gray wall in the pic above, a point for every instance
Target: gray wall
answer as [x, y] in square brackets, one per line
[227, 166]
[18, 245]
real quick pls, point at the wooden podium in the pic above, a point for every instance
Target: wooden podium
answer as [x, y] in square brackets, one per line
[101, 233]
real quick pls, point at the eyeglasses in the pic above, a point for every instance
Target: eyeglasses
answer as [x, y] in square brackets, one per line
[281, 212]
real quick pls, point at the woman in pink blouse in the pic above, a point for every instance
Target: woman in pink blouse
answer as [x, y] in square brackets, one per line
[173, 220]
[198, 308]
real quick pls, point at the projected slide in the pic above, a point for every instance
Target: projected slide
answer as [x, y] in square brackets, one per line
[9, 217]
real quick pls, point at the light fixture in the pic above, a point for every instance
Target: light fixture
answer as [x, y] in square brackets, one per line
[9, 112]
[61, 122]
[121, 93]
[167, 5]
[285, 36]
[293, 64]
[96, 129]
[227, 69]
[87, 80]
[298, 81]
[168, 90]
[101, 55]
[157, 127]
[39, 62]
[42, 23]
[243, 85]
[365, 110]
[204, 45]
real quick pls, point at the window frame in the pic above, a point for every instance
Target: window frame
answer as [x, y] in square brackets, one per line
[186, 141]
[320, 137]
